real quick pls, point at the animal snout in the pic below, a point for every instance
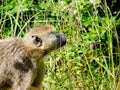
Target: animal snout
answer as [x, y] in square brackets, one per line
[61, 40]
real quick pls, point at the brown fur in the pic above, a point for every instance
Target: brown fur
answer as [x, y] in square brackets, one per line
[21, 63]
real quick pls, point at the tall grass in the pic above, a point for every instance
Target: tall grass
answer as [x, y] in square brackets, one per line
[90, 60]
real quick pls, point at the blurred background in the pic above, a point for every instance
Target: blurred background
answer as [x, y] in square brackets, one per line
[91, 58]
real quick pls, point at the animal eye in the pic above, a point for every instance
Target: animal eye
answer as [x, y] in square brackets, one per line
[37, 40]
[33, 36]
[53, 33]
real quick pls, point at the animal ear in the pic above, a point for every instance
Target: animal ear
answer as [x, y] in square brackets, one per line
[37, 40]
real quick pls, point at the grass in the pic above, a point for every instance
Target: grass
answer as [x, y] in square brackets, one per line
[90, 60]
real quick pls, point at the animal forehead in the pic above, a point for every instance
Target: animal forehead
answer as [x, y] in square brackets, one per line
[42, 28]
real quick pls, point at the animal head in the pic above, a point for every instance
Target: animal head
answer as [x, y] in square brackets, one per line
[43, 38]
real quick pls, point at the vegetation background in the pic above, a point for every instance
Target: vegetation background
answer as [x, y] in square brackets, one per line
[90, 60]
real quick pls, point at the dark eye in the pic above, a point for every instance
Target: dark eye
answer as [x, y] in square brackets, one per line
[37, 40]
[53, 32]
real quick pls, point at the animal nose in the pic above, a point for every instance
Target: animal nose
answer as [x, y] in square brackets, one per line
[61, 40]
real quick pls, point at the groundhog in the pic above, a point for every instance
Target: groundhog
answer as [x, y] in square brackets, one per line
[21, 64]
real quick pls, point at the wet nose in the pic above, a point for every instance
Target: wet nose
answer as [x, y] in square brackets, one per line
[61, 40]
